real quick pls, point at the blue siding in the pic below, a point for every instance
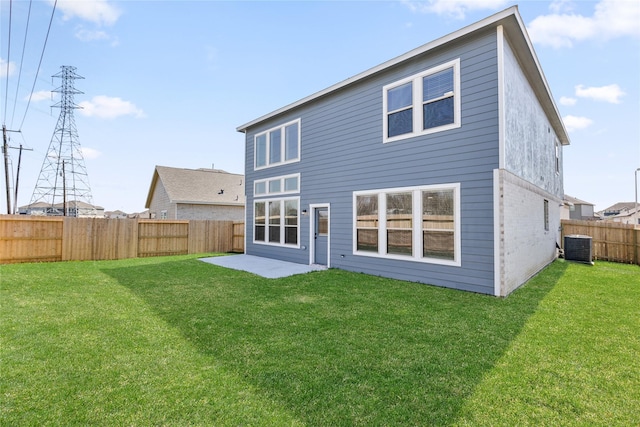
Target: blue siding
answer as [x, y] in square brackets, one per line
[342, 152]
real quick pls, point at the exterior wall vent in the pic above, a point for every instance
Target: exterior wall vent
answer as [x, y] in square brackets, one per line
[578, 248]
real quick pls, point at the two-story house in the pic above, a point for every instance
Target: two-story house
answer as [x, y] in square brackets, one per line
[441, 166]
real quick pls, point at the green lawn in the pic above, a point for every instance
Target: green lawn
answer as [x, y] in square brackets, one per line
[175, 341]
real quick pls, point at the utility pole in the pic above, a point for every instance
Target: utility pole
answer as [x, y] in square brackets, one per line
[15, 198]
[5, 150]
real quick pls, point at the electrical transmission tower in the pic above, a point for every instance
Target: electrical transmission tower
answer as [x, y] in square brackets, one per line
[63, 185]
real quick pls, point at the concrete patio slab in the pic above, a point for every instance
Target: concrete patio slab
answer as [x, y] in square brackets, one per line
[265, 267]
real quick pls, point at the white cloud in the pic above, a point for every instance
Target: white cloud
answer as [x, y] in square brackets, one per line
[40, 95]
[99, 12]
[610, 93]
[576, 123]
[90, 153]
[106, 107]
[3, 68]
[90, 35]
[453, 8]
[611, 19]
[87, 35]
[565, 100]
[559, 6]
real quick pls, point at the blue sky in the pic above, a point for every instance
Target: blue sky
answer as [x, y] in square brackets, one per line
[167, 82]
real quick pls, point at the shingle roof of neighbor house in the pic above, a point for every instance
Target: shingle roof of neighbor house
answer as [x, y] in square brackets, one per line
[620, 206]
[515, 31]
[198, 186]
[576, 201]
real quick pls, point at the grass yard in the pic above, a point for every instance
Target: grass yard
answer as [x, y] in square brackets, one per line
[175, 341]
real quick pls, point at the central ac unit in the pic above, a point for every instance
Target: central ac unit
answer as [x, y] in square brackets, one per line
[578, 248]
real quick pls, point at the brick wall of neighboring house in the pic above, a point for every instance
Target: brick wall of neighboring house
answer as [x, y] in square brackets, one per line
[223, 213]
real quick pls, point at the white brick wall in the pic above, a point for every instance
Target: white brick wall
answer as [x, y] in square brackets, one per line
[524, 246]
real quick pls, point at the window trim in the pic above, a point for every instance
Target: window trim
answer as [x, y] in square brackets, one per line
[557, 156]
[418, 103]
[283, 226]
[417, 224]
[283, 145]
[282, 180]
[546, 214]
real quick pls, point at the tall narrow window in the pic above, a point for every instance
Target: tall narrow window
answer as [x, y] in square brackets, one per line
[400, 223]
[261, 150]
[274, 221]
[275, 146]
[438, 224]
[367, 223]
[291, 222]
[259, 222]
[546, 215]
[291, 142]
[557, 146]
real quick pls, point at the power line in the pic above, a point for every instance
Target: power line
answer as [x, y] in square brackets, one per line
[24, 48]
[39, 65]
[6, 89]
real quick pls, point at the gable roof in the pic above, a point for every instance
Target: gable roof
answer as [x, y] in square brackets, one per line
[620, 206]
[517, 34]
[198, 186]
[576, 201]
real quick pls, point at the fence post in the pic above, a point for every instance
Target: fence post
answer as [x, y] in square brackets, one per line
[636, 231]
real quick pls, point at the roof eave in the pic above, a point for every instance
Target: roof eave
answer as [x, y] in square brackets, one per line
[541, 86]
[493, 19]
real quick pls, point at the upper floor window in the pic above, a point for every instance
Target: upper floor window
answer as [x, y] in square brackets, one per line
[557, 156]
[278, 145]
[423, 103]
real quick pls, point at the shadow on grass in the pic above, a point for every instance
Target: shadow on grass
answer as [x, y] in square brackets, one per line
[341, 348]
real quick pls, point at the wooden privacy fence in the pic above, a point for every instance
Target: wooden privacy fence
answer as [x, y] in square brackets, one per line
[610, 241]
[34, 238]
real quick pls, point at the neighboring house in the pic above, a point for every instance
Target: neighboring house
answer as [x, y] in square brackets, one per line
[117, 214]
[617, 209]
[143, 215]
[177, 193]
[441, 166]
[74, 208]
[577, 209]
[624, 213]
